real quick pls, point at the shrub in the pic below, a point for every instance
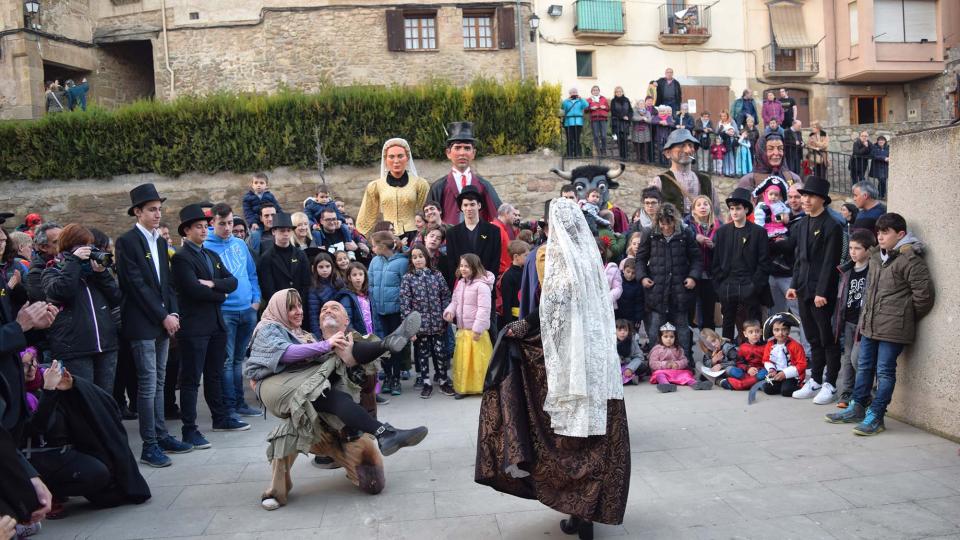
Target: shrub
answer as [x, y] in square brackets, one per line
[252, 132]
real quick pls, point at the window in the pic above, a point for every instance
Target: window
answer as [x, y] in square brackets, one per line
[854, 24]
[478, 31]
[585, 64]
[419, 32]
[867, 110]
[903, 21]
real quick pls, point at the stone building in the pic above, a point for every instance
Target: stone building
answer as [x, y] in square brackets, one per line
[887, 64]
[130, 49]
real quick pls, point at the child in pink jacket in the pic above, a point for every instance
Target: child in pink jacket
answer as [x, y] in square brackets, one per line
[470, 307]
[669, 365]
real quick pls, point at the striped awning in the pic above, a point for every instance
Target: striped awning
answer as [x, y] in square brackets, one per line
[789, 31]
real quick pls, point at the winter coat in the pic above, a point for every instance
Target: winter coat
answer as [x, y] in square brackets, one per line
[612, 272]
[572, 111]
[425, 291]
[700, 132]
[660, 356]
[752, 289]
[860, 160]
[741, 108]
[668, 262]
[879, 165]
[84, 325]
[661, 97]
[708, 231]
[275, 274]
[251, 205]
[771, 109]
[899, 293]
[351, 304]
[642, 118]
[619, 108]
[385, 277]
[631, 304]
[470, 303]
[684, 121]
[796, 366]
[816, 261]
[599, 108]
[316, 298]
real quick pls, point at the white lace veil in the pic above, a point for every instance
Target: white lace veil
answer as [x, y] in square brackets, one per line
[397, 141]
[577, 327]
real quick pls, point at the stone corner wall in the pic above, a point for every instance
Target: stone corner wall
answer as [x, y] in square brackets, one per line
[924, 187]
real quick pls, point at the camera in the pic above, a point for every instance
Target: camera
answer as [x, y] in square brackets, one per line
[103, 258]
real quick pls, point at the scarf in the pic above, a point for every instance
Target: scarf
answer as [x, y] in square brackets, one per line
[31, 388]
[276, 314]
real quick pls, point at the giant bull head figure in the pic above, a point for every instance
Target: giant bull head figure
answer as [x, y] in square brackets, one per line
[586, 177]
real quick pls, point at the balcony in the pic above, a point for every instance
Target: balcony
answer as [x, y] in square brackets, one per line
[783, 62]
[599, 18]
[688, 25]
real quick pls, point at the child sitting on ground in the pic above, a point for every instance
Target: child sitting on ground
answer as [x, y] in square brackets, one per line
[749, 367]
[783, 357]
[632, 364]
[669, 364]
[719, 355]
[257, 195]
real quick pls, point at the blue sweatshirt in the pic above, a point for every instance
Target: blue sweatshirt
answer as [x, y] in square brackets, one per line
[239, 261]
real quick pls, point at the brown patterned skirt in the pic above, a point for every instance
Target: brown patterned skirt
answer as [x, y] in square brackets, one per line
[585, 477]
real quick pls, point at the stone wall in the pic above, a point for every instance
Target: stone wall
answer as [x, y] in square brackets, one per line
[522, 180]
[69, 18]
[924, 187]
[124, 73]
[932, 94]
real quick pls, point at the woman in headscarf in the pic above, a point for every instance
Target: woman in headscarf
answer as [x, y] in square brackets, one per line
[314, 386]
[553, 424]
[397, 195]
[769, 160]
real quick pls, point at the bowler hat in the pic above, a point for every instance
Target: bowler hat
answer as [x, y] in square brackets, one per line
[820, 187]
[742, 196]
[4, 216]
[469, 192]
[282, 221]
[460, 131]
[189, 215]
[679, 136]
[141, 195]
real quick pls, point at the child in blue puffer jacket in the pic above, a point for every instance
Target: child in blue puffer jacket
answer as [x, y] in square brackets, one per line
[386, 273]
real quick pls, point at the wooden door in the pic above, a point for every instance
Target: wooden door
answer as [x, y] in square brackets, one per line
[712, 99]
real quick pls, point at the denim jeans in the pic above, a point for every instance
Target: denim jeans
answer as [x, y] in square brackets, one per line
[201, 356]
[848, 359]
[100, 369]
[877, 358]
[240, 326]
[599, 129]
[150, 357]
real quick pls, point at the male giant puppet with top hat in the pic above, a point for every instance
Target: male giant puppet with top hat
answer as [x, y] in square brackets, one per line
[461, 151]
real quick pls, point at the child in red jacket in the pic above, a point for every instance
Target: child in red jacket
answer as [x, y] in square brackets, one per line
[783, 357]
[749, 368]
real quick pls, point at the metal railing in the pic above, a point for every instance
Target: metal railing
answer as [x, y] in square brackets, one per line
[691, 20]
[778, 60]
[836, 170]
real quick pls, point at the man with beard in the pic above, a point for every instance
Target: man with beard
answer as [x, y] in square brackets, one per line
[461, 151]
[770, 162]
[681, 184]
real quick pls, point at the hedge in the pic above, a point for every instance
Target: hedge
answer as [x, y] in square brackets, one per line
[251, 132]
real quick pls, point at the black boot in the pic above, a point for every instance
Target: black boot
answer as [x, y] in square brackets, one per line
[585, 531]
[391, 439]
[570, 525]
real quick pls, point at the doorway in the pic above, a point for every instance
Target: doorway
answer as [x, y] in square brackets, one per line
[802, 97]
[867, 110]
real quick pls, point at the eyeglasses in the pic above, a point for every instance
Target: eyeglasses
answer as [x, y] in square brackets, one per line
[30, 365]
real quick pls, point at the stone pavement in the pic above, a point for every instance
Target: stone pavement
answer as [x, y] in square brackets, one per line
[705, 465]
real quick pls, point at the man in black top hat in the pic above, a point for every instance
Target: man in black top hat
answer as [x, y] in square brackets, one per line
[284, 265]
[461, 151]
[741, 265]
[203, 284]
[150, 317]
[818, 242]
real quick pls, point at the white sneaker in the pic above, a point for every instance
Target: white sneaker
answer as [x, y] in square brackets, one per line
[808, 390]
[827, 394]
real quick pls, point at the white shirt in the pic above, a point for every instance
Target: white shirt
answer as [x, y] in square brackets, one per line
[152, 237]
[458, 176]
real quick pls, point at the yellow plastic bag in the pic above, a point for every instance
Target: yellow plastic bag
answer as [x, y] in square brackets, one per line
[470, 361]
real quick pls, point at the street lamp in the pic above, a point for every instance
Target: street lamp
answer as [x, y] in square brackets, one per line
[534, 24]
[31, 8]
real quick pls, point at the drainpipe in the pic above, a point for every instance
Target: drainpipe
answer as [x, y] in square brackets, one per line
[166, 47]
[523, 71]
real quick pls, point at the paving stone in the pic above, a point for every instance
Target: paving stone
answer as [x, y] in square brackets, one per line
[901, 520]
[786, 500]
[888, 488]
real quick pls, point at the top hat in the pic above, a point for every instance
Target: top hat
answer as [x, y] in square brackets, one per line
[460, 131]
[190, 214]
[143, 194]
[469, 192]
[4, 216]
[741, 195]
[678, 136]
[814, 185]
[282, 221]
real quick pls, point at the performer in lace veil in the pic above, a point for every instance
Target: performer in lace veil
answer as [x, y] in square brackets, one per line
[553, 425]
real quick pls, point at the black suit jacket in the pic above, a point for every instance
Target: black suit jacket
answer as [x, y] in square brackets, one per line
[817, 257]
[275, 275]
[487, 248]
[200, 305]
[754, 253]
[146, 300]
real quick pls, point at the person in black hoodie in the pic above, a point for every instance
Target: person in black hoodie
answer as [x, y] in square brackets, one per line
[818, 244]
[741, 265]
[283, 265]
[203, 284]
[84, 337]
